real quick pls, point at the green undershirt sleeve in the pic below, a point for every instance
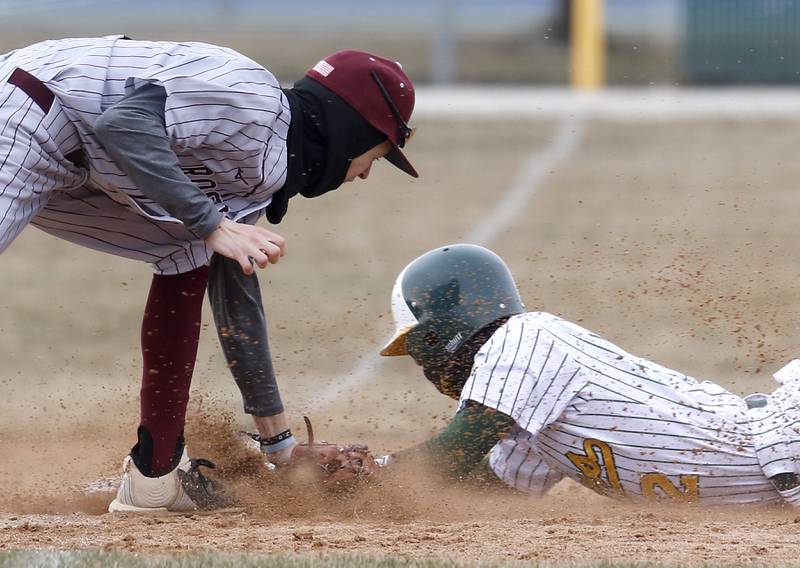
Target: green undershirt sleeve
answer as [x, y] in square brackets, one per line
[459, 448]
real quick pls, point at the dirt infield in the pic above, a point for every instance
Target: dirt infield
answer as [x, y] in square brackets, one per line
[675, 241]
[545, 532]
[407, 516]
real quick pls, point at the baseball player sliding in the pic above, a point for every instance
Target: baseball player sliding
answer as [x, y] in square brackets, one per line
[545, 398]
[169, 153]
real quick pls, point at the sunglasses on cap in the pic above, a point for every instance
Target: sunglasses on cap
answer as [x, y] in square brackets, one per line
[405, 132]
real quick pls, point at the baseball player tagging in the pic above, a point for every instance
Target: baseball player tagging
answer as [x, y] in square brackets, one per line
[169, 153]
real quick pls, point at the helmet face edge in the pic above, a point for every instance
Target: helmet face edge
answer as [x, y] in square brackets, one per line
[404, 320]
[452, 292]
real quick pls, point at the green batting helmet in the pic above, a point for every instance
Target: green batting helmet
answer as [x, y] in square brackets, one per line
[444, 297]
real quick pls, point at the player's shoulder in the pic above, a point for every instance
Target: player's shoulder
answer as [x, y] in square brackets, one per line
[215, 50]
[523, 323]
[188, 68]
[71, 45]
[518, 330]
[194, 49]
[531, 322]
[79, 40]
[545, 329]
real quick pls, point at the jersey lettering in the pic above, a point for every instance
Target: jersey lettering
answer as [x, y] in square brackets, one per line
[217, 198]
[657, 486]
[597, 459]
[205, 184]
[196, 173]
[620, 424]
[598, 472]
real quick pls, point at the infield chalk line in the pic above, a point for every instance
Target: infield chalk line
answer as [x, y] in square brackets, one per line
[529, 180]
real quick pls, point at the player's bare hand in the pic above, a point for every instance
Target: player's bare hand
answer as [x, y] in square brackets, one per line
[247, 244]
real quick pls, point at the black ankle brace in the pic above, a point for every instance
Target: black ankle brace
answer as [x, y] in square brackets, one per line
[142, 454]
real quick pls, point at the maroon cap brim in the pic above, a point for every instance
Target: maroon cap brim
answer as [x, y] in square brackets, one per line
[398, 159]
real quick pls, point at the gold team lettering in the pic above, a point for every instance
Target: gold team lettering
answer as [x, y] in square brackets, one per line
[657, 486]
[592, 468]
[598, 472]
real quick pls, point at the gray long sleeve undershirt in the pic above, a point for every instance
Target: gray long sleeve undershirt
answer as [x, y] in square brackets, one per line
[242, 328]
[134, 134]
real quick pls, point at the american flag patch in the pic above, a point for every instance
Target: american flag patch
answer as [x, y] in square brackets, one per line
[323, 68]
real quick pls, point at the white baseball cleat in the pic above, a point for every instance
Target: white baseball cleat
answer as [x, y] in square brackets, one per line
[182, 490]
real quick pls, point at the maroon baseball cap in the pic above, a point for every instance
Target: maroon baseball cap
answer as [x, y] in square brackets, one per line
[378, 89]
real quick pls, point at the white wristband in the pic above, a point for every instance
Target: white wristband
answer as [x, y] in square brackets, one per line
[384, 461]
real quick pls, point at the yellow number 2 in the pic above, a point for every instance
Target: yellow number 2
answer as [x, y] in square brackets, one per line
[651, 483]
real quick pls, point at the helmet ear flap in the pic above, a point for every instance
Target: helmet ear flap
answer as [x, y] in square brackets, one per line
[432, 342]
[431, 338]
[418, 346]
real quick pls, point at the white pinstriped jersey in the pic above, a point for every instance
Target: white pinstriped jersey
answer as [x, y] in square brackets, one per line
[776, 429]
[619, 424]
[226, 116]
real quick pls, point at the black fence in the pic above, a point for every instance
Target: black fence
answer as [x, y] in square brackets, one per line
[742, 41]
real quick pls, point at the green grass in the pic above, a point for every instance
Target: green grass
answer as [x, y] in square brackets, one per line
[86, 559]
[96, 559]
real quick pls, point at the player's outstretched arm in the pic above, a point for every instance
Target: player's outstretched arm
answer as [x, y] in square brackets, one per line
[458, 450]
[241, 323]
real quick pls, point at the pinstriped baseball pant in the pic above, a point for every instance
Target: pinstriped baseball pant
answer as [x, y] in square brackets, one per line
[90, 218]
[39, 185]
[33, 163]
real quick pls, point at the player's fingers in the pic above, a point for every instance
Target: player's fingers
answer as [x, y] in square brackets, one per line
[244, 262]
[275, 239]
[280, 242]
[261, 259]
[272, 251]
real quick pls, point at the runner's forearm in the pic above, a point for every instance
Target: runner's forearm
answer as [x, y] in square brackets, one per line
[461, 446]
